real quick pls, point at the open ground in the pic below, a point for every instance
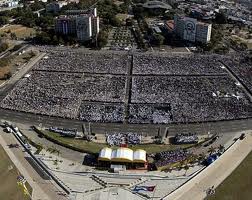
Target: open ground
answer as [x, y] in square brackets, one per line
[9, 189]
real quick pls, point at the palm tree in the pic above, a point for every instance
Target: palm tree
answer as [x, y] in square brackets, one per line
[186, 168]
[211, 150]
[221, 149]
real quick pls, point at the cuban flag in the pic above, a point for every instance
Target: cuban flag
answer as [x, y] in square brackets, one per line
[144, 188]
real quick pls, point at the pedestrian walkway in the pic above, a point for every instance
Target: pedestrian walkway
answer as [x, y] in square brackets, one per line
[42, 189]
[37, 192]
[213, 175]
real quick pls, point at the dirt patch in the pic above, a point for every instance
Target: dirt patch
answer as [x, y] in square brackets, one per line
[9, 189]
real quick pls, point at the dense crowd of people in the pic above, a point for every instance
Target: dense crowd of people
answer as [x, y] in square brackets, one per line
[186, 138]
[150, 113]
[84, 62]
[168, 157]
[176, 65]
[62, 94]
[192, 98]
[116, 139]
[141, 88]
[242, 67]
[102, 112]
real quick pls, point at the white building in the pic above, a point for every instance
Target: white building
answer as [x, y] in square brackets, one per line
[9, 3]
[84, 27]
[191, 30]
[203, 32]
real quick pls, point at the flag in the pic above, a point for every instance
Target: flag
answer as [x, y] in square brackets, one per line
[144, 188]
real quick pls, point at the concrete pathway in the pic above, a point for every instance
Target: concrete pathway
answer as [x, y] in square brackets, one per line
[215, 173]
[42, 189]
[37, 192]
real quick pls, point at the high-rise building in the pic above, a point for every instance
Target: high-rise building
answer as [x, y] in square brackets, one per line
[83, 26]
[203, 32]
[65, 25]
[191, 30]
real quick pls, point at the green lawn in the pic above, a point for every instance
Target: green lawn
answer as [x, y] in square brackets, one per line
[93, 147]
[238, 186]
[9, 189]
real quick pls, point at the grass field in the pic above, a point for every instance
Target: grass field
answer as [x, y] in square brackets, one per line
[93, 147]
[19, 30]
[9, 189]
[238, 186]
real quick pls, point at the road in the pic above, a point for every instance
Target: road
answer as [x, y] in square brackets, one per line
[217, 172]
[151, 129]
[42, 189]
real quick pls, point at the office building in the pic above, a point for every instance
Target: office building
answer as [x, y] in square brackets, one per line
[190, 29]
[203, 32]
[83, 26]
[65, 25]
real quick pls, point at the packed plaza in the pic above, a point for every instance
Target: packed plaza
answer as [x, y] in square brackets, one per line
[116, 139]
[168, 157]
[140, 88]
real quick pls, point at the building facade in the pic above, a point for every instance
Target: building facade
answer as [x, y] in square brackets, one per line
[83, 26]
[65, 25]
[203, 32]
[190, 29]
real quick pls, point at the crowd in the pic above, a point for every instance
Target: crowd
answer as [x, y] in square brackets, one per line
[116, 139]
[150, 113]
[186, 138]
[176, 65]
[242, 67]
[168, 157]
[62, 94]
[78, 84]
[191, 98]
[64, 131]
[84, 62]
[102, 112]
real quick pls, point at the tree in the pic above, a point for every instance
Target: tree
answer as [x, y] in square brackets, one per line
[102, 38]
[13, 36]
[211, 150]
[7, 75]
[158, 39]
[3, 20]
[114, 21]
[186, 167]
[221, 149]
[220, 18]
[187, 11]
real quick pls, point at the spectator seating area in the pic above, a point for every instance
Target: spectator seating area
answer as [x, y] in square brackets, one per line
[116, 139]
[242, 67]
[168, 157]
[135, 88]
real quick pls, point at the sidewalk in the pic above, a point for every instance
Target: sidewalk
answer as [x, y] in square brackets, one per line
[37, 193]
[196, 188]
